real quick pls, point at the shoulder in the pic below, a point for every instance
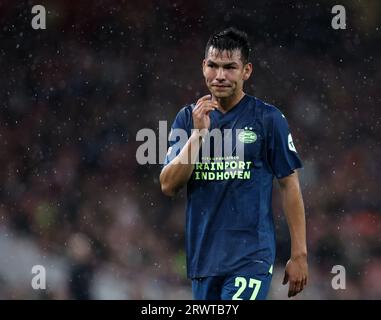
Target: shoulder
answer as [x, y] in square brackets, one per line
[184, 117]
[185, 112]
[270, 112]
[271, 115]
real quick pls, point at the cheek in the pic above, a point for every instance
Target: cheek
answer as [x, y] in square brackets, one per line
[208, 77]
[234, 81]
[240, 78]
[233, 77]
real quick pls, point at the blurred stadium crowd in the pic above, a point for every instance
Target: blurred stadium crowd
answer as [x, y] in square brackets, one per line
[73, 197]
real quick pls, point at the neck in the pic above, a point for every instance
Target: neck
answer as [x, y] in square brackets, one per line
[229, 102]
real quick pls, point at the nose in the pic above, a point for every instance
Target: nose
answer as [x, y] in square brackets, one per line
[220, 74]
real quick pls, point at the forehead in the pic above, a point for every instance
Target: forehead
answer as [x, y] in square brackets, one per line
[224, 56]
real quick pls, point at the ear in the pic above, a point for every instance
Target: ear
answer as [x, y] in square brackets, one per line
[203, 66]
[247, 70]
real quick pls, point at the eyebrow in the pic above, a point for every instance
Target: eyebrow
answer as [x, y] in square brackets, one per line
[230, 64]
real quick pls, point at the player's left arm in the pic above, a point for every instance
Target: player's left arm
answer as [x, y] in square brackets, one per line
[296, 272]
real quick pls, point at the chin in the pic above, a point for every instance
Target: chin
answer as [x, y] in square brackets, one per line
[222, 94]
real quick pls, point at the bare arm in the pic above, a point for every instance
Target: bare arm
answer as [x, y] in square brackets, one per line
[296, 271]
[177, 173]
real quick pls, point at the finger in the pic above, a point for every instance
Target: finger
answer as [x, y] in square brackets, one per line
[205, 103]
[206, 97]
[201, 100]
[207, 110]
[214, 99]
[291, 289]
[285, 278]
[199, 115]
[298, 287]
[302, 285]
[292, 293]
[198, 111]
[198, 105]
[210, 103]
[204, 108]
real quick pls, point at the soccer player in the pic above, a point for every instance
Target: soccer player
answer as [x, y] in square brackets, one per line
[230, 237]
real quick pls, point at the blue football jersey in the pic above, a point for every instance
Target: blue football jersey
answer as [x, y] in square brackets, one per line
[229, 220]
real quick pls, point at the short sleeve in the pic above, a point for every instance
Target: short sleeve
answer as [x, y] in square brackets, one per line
[179, 134]
[282, 155]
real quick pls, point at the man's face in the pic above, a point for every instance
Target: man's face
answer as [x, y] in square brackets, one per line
[224, 72]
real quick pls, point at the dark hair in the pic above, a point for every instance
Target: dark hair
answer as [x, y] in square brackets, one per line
[230, 39]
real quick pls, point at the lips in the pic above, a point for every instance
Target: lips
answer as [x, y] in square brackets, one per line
[220, 86]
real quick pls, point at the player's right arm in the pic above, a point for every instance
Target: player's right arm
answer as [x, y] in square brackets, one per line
[177, 173]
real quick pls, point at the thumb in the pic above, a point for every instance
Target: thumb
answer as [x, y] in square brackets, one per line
[214, 98]
[285, 279]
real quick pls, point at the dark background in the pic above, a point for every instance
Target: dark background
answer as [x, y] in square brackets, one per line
[72, 98]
